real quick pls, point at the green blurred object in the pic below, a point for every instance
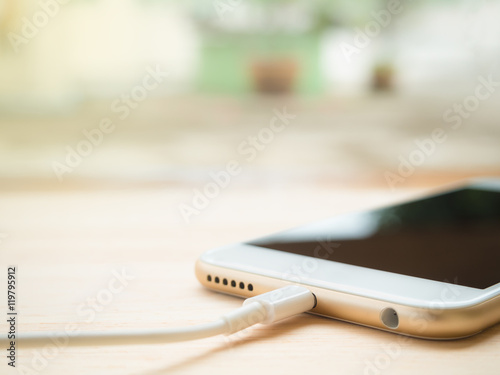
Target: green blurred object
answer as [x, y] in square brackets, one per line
[227, 60]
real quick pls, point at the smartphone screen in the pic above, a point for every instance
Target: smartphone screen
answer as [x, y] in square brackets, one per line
[452, 237]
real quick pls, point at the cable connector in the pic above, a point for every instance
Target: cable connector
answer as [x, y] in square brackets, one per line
[265, 308]
[270, 307]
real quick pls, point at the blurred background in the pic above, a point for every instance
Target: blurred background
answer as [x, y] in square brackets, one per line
[120, 92]
[135, 134]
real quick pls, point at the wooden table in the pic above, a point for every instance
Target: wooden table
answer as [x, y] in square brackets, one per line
[68, 246]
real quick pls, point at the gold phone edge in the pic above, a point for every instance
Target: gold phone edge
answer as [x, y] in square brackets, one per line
[426, 323]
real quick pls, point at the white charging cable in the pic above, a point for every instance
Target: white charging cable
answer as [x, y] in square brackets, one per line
[265, 308]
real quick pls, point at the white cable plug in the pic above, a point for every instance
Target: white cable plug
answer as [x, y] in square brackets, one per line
[265, 308]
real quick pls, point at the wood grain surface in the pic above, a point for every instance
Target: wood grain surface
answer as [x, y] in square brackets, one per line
[69, 246]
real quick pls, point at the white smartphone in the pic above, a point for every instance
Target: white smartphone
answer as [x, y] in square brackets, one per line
[427, 268]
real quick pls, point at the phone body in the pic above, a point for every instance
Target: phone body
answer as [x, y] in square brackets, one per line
[427, 268]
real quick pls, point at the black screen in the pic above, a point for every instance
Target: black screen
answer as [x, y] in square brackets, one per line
[452, 237]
